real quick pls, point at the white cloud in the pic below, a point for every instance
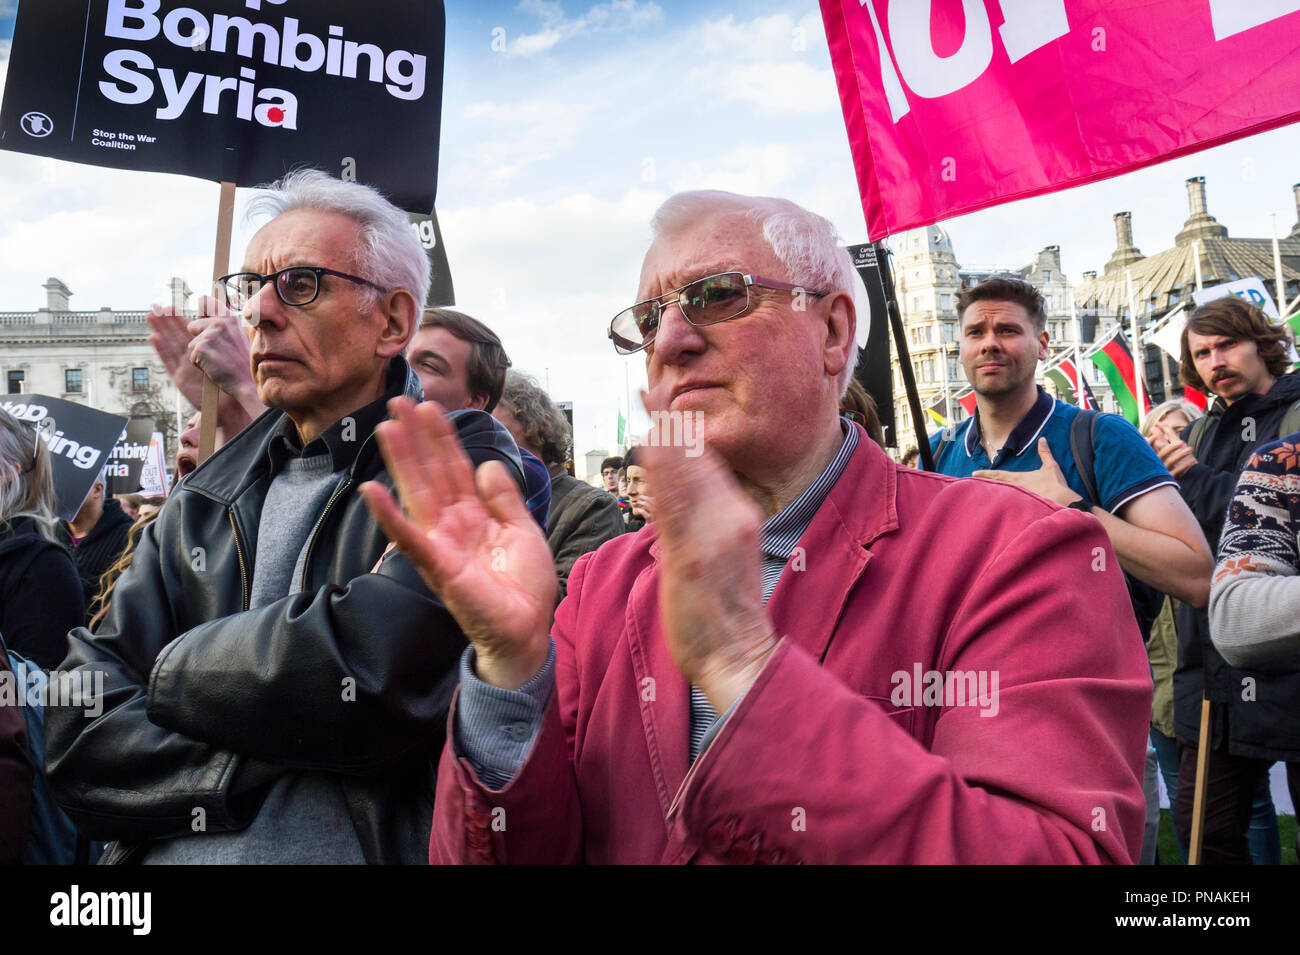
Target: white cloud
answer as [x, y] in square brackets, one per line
[796, 87]
[610, 17]
[766, 169]
[548, 276]
[762, 39]
[509, 137]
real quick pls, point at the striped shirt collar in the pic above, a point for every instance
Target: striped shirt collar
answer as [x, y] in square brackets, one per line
[1023, 436]
[780, 533]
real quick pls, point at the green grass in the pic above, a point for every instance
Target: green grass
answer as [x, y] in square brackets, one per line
[1168, 845]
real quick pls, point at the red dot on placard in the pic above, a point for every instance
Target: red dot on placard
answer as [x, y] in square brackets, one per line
[275, 114]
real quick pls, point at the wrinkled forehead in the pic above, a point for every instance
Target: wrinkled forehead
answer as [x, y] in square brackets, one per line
[716, 241]
[304, 237]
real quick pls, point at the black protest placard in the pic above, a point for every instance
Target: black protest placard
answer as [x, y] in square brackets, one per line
[80, 440]
[441, 291]
[873, 370]
[236, 90]
[128, 456]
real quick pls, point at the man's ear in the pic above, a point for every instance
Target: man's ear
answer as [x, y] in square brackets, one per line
[478, 400]
[401, 315]
[1043, 351]
[841, 323]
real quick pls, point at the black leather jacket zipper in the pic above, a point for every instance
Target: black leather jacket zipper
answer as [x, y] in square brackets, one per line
[239, 552]
[311, 540]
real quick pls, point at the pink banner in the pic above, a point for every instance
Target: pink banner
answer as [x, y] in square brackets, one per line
[979, 102]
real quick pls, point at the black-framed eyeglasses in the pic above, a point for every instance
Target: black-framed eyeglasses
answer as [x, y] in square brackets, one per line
[297, 285]
[706, 301]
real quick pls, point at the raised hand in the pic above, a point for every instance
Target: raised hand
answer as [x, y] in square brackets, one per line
[710, 568]
[1176, 454]
[219, 347]
[470, 537]
[171, 340]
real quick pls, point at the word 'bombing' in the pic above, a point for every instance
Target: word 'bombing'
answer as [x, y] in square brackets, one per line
[400, 71]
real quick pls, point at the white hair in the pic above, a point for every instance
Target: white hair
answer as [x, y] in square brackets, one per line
[807, 244]
[388, 251]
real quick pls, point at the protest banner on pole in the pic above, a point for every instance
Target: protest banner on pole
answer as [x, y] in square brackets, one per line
[235, 91]
[873, 370]
[79, 439]
[441, 290]
[127, 458]
[154, 479]
[354, 89]
[959, 106]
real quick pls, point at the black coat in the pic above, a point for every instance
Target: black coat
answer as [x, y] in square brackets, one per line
[99, 549]
[1266, 723]
[15, 775]
[352, 676]
[40, 594]
[580, 520]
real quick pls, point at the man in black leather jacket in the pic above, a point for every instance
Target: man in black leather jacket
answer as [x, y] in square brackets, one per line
[267, 697]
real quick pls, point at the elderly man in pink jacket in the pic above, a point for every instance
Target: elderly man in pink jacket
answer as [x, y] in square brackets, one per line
[813, 655]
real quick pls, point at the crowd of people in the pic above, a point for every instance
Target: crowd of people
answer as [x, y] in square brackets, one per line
[384, 623]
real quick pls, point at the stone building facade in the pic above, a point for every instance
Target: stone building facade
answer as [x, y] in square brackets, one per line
[927, 278]
[99, 358]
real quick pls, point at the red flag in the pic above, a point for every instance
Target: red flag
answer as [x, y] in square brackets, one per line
[979, 102]
[967, 401]
[1195, 397]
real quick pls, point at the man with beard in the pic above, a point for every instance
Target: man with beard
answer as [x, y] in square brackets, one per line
[1232, 350]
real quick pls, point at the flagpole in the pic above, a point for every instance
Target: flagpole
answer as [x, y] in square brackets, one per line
[947, 396]
[1076, 329]
[1279, 284]
[1139, 386]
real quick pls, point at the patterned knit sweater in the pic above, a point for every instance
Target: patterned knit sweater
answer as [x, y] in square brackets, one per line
[1255, 596]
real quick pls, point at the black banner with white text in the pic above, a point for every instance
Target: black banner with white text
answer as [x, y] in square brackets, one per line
[238, 90]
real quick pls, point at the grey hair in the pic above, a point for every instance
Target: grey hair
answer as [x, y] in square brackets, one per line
[388, 252]
[807, 244]
[26, 480]
[544, 426]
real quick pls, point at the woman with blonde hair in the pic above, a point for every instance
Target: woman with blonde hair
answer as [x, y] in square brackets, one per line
[1172, 416]
[41, 597]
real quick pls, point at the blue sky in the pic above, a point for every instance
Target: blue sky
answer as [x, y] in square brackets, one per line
[564, 125]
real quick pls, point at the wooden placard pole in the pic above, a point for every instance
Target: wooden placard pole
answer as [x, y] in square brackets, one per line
[1198, 793]
[220, 267]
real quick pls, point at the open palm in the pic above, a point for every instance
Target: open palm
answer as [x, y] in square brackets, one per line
[470, 537]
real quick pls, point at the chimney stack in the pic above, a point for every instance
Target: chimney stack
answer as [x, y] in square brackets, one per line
[1295, 229]
[56, 295]
[180, 293]
[1200, 225]
[1126, 253]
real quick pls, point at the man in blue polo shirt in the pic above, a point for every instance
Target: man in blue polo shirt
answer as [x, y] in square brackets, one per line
[1021, 435]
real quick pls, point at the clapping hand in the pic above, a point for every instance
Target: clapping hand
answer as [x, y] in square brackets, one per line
[470, 537]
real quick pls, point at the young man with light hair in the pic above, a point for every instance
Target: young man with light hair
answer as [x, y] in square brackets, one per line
[724, 688]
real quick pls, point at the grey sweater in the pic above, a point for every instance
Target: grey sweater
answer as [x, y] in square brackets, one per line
[304, 818]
